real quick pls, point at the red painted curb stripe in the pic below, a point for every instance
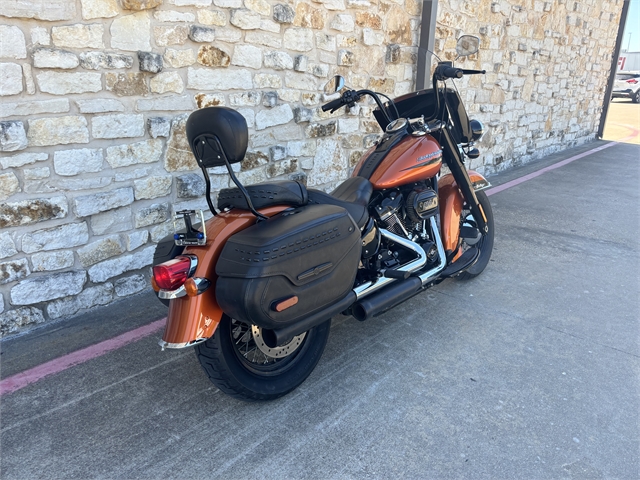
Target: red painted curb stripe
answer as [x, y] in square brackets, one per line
[21, 380]
[537, 173]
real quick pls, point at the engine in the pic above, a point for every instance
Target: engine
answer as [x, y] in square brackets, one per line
[404, 213]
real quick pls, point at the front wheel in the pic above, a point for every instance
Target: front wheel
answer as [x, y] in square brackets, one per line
[485, 244]
[239, 363]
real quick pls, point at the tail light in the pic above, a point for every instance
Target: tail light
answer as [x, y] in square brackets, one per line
[632, 81]
[172, 274]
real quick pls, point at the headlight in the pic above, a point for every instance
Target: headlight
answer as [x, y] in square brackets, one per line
[477, 129]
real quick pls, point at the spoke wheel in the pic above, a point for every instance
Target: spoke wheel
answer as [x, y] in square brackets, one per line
[239, 363]
[484, 244]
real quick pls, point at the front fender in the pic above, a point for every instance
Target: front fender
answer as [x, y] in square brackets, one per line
[194, 319]
[451, 201]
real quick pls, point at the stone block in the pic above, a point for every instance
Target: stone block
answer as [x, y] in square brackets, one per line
[7, 246]
[284, 167]
[39, 9]
[50, 287]
[118, 220]
[260, 6]
[36, 107]
[50, 261]
[228, 3]
[78, 36]
[12, 138]
[298, 39]
[211, 56]
[14, 270]
[250, 98]
[348, 125]
[326, 42]
[58, 131]
[136, 239]
[127, 84]
[152, 215]
[190, 185]
[343, 23]
[130, 285]
[369, 20]
[131, 32]
[165, 104]
[167, 82]
[266, 80]
[40, 36]
[309, 17]
[117, 126]
[334, 4]
[301, 148]
[229, 35]
[179, 156]
[88, 298]
[269, 26]
[245, 19]
[171, 35]
[140, 4]
[278, 60]
[150, 62]
[65, 83]
[276, 116]
[247, 56]
[302, 114]
[99, 9]
[10, 79]
[209, 100]
[101, 202]
[104, 248]
[13, 320]
[283, 13]
[170, 16]
[255, 37]
[301, 63]
[300, 81]
[206, 79]
[12, 42]
[316, 130]
[212, 17]
[158, 232]
[190, 3]
[270, 99]
[329, 163]
[64, 236]
[159, 127]
[9, 185]
[370, 37]
[200, 34]
[22, 159]
[36, 173]
[99, 105]
[346, 58]
[179, 58]
[319, 70]
[102, 60]
[72, 162]
[152, 187]
[117, 266]
[277, 153]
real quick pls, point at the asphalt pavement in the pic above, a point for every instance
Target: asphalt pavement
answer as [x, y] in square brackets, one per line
[529, 371]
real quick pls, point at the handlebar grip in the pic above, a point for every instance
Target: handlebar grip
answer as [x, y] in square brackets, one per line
[451, 72]
[332, 105]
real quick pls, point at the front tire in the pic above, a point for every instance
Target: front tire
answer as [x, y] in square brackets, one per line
[485, 244]
[239, 363]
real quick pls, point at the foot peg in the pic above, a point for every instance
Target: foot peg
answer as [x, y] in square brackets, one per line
[467, 259]
[398, 274]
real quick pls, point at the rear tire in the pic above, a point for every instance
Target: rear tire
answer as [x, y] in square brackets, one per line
[636, 97]
[485, 245]
[239, 367]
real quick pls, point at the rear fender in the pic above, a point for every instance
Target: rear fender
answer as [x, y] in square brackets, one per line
[451, 201]
[192, 320]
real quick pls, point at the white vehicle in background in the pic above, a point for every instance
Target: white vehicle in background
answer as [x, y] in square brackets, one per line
[627, 85]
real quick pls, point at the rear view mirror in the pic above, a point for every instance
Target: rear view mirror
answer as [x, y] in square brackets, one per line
[467, 45]
[334, 85]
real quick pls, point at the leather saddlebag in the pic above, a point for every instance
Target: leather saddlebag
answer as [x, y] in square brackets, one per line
[297, 263]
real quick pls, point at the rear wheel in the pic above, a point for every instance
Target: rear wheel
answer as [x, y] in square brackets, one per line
[636, 97]
[485, 244]
[239, 363]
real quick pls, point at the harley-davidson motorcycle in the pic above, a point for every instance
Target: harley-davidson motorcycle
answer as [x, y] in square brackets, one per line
[254, 287]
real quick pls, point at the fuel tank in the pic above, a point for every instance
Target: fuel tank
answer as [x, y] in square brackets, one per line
[411, 160]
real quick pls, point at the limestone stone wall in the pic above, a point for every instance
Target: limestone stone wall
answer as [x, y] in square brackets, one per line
[94, 95]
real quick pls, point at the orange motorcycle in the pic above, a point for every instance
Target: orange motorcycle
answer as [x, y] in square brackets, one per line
[254, 287]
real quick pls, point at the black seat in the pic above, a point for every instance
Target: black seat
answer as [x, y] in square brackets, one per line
[353, 195]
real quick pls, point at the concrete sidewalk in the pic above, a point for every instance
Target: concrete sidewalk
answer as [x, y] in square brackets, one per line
[529, 371]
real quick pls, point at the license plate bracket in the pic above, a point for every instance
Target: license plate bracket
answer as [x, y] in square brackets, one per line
[185, 233]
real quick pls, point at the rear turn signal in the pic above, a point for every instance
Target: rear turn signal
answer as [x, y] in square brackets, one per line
[172, 274]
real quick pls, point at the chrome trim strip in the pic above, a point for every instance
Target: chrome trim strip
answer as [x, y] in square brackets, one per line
[172, 294]
[164, 344]
[370, 287]
[431, 274]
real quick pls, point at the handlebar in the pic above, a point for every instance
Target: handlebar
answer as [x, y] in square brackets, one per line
[444, 71]
[332, 105]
